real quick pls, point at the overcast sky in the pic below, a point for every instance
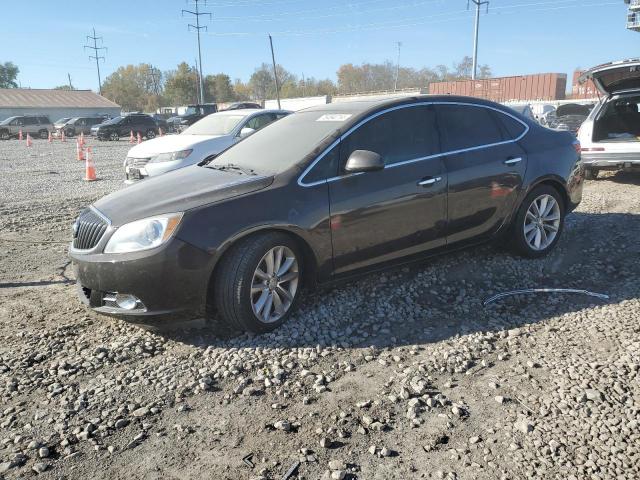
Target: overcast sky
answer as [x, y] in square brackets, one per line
[45, 38]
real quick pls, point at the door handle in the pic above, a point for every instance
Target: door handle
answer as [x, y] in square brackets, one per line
[425, 182]
[512, 161]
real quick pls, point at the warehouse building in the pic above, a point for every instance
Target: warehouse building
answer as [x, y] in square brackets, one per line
[54, 103]
[543, 86]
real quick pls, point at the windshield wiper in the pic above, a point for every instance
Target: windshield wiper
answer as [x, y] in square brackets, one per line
[232, 167]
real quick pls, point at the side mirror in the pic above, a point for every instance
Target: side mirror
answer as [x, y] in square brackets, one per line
[364, 161]
[246, 131]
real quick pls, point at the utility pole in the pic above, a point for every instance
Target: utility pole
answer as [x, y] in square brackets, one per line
[275, 73]
[70, 85]
[395, 85]
[304, 86]
[478, 4]
[96, 57]
[197, 28]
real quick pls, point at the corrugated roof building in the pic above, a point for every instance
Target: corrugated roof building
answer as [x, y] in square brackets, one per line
[54, 103]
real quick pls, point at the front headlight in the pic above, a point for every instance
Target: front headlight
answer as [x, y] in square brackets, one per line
[143, 234]
[170, 156]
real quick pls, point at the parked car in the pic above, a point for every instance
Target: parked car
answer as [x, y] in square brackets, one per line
[35, 125]
[138, 123]
[242, 106]
[611, 134]
[192, 114]
[211, 135]
[61, 122]
[78, 125]
[162, 123]
[323, 194]
[568, 117]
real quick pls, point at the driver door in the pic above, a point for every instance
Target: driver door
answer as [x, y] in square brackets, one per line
[400, 210]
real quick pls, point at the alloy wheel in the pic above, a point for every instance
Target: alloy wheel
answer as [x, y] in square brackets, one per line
[114, 137]
[274, 284]
[542, 222]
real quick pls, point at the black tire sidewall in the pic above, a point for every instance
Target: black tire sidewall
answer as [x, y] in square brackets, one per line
[520, 242]
[43, 134]
[114, 136]
[150, 134]
[234, 283]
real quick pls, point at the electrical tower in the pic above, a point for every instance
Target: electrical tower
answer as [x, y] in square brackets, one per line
[478, 4]
[96, 56]
[197, 27]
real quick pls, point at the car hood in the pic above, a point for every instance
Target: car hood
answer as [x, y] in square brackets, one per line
[170, 143]
[615, 76]
[177, 191]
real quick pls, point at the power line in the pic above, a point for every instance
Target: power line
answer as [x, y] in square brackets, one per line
[97, 57]
[478, 4]
[197, 28]
[416, 21]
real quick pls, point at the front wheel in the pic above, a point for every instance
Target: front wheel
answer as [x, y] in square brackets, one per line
[539, 222]
[150, 134]
[114, 137]
[5, 135]
[43, 134]
[258, 283]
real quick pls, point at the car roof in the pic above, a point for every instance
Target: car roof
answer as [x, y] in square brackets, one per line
[249, 111]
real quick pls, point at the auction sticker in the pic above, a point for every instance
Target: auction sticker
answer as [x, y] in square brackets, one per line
[334, 117]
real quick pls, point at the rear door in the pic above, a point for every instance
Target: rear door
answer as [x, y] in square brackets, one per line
[31, 125]
[401, 210]
[485, 167]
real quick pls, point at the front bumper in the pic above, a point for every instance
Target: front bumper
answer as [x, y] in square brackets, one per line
[611, 160]
[170, 281]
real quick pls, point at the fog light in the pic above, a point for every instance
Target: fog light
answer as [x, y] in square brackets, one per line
[126, 302]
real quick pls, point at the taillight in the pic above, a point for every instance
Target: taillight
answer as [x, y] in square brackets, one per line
[593, 149]
[577, 146]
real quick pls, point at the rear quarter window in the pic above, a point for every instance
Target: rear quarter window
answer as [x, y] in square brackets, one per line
[514, 128]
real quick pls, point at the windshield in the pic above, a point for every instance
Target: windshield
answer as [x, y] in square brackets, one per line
[63, 120]
[112, 121]
[284, 143]
[7, 121]
[214, 125]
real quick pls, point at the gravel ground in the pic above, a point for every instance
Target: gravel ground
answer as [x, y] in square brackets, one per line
[395, 376]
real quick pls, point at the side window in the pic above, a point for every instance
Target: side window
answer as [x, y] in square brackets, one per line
[44, 120]
[403, 134]
[17, 121]
[260, 121]
[466, 126]
[326, 168]
[512, 126]
[30, 121]
[81, 122]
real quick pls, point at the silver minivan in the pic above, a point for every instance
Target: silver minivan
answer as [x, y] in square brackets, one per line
[610, 137]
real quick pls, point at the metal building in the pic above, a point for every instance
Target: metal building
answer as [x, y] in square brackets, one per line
[543, 86]
[633, 15]
[54, 103]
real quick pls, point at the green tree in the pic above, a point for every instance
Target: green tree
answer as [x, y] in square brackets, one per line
[218, 88]
[8, 75]
[181, 85]
[63, 87]
[134, 87]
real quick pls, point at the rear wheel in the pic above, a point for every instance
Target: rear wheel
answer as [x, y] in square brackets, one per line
[539, 222]
[5, 135]
[257, 285]
[150, 134]
[114, 137]
[43, 134]
[591, 173]
[69, 133]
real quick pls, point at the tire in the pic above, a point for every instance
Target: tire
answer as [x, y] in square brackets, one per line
[524, 237]
[591, 173]
[43, 134]
[69, 133]
[114, 137]
[5, 135]
[234, 299]
[150, 134]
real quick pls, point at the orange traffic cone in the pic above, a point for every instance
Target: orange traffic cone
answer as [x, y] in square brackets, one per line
[139, 139]
[90, 168]
[62, 135]
[20, 135]
[131, 139]
[79, 151]
[82, 139]
[49, 140]
[29, 142]
[161, 132]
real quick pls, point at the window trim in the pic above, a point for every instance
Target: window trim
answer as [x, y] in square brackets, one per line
[413, 160]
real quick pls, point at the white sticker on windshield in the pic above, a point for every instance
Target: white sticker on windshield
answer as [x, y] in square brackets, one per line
[334, 117]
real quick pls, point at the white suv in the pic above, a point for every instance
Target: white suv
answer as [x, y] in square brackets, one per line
[610, 137]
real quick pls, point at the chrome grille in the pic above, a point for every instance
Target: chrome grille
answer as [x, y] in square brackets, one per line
[137, 162]
[88, 230]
